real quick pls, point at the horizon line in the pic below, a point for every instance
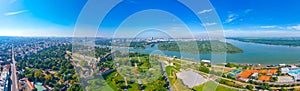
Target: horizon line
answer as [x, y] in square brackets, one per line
[159, 37]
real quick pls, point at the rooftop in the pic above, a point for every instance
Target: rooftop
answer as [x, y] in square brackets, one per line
[264, 78]
[206, 61]
[285, 79]
[247, 73]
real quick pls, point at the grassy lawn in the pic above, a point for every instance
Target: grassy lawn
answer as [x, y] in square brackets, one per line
[151, 78]
[178, 66]
[109, 78]
[98, 85]
[145, 63]
[212, 86]
[133, 87]
[134, 58]
[169, 70]
[143, 59]
[177, 85]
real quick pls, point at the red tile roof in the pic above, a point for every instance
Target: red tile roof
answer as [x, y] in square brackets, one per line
[264, 78]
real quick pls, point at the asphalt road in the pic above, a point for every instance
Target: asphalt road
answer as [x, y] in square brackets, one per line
[13, 76]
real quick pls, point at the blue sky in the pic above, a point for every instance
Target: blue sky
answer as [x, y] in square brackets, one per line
[238, 17]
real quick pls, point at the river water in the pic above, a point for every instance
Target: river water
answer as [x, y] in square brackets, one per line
[254, 53]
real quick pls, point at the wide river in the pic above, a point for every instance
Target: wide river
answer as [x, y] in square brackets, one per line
[253, 53]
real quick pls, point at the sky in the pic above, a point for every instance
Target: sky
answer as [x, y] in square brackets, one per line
[239, 18]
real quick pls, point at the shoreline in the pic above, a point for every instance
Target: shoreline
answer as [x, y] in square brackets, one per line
[281, 45]
[244, 64]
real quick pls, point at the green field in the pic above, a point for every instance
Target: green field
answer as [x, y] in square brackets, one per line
[212, 86]
[146, 71]
[98, 85]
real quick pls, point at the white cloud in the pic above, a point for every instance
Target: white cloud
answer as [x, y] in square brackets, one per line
[295, 27]
[237, 16]
[15, 12]
[268, 26]
[247, 11]
[272, 27]
[209, 24]
[205, 11]
[231, 18]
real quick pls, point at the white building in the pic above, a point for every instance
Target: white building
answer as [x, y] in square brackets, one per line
[282, 64]
[254, 75]
[4, 81]
[244, 79]
[297, 77]
[285, 70]
[205, 61]
[285, 79]
[294, 67]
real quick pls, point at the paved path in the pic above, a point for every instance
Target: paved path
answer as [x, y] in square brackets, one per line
[14, 86]
[165, 74]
